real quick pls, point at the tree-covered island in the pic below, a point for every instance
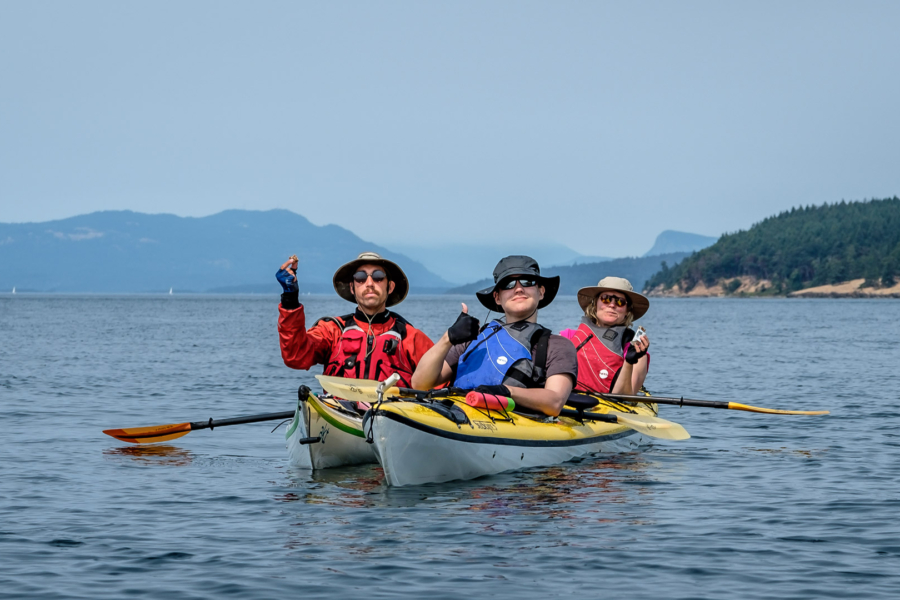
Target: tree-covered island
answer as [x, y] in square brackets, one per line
[841, 249]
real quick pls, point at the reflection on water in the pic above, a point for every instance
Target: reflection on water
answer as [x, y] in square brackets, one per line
[153, 454]
[553, 492]
[352, 509]
[791, 452]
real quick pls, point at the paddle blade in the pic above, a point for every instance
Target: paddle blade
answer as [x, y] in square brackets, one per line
[774, 411]
[361, 390]
[150, 435]
[652, 426]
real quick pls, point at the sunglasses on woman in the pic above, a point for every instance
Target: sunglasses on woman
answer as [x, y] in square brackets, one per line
[525, 283]
[608, 299]
[377, 276]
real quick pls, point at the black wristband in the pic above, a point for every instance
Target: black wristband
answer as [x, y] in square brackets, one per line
[290, 300]
[496, 390]
[633, 356]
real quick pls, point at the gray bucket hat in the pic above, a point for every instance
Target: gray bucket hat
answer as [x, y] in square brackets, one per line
[518, 265]
[639, 303]
[344, 274]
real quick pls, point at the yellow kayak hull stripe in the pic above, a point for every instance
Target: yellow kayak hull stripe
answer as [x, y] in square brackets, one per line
[498, 441]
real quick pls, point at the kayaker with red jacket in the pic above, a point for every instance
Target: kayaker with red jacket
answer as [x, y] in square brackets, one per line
[610, 360]
[514, 357]
[370, 343]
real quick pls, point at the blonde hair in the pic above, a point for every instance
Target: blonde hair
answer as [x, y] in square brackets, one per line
[590, 311]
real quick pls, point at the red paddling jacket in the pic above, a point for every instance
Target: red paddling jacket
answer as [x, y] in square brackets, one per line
[351, 346]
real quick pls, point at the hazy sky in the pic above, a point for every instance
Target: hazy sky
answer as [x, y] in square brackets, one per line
[594, 124]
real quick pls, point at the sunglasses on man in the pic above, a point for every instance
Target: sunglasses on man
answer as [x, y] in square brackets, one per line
[609, 299]
[377, 276]
[511, 283]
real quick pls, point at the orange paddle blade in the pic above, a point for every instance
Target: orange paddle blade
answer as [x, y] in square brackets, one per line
[149, 435]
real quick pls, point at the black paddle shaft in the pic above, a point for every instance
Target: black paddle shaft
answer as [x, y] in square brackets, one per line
[583, 416]
[212, 424]
[674, 401]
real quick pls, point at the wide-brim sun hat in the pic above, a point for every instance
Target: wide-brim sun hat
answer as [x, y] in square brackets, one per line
[639, 303]
[344, 275]
[518, 266]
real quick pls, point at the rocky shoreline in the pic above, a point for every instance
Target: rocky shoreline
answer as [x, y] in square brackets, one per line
[752, 287]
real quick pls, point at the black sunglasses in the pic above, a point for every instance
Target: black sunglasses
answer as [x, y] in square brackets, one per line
[377, 276]
[511, 283]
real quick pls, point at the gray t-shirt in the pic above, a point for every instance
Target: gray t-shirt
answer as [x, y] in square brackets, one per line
[561, 359]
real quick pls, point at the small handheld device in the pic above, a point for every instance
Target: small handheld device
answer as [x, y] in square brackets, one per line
[638, 334]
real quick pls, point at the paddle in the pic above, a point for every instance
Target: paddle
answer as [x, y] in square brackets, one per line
[163, 433]
[365, 390]
[650, 426]
[710, 404]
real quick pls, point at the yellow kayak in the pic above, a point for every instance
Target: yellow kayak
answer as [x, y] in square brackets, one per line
[445, 439]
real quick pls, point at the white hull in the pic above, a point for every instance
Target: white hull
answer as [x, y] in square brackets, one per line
[298, 454]
[412, 457]
[341, 442]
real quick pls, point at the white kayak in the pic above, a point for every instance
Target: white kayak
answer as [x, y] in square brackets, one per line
[326, 432]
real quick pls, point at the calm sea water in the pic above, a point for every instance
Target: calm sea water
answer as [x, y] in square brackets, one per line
[753, 506]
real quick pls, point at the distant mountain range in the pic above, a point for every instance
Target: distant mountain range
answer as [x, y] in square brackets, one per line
[572, 278]
[232, 251]
[459, 266]
[239, 251]
[678, 241]
[467, 260]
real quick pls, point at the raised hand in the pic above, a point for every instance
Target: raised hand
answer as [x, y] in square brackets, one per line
[636, 350]
[465, 329]
[287, 275]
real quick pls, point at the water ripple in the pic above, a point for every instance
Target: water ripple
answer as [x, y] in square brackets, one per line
[752, 506]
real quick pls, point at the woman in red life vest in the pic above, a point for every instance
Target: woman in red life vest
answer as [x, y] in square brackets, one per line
[609, 359]
[370, 343]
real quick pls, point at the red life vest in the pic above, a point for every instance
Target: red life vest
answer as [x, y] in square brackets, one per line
[361, 356]
[597, 364]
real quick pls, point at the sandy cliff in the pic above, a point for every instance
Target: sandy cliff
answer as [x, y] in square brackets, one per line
[848, 289]
[750, 286]
[747, 285]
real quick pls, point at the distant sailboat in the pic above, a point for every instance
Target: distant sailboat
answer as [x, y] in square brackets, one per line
[170, 291]
[14, 290]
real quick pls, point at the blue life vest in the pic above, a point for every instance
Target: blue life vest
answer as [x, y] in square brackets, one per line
[490, 357]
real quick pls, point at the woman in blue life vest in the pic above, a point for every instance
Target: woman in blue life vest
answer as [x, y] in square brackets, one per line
[610, 360]
[512, 356]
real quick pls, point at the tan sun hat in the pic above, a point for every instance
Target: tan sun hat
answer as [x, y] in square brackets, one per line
[639, 302]
[344, 274]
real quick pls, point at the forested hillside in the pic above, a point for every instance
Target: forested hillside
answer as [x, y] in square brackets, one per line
[800, 248]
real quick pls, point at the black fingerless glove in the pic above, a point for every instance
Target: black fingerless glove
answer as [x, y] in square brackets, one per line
[497, 390]
[632, 355]
[290, 300]
[464, 330]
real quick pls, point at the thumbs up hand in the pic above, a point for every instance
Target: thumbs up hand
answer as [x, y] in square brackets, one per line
[465, 329]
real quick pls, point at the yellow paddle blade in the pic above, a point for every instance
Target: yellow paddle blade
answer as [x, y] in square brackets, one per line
[150, 435]
[774, 411]
[652, 426]
[360, 390]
